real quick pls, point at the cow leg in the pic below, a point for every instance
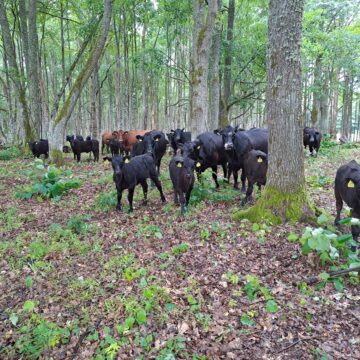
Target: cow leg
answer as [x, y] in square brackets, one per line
[188, 196]
[145, 190]
[311, 150]
[243, 180]
[102, 148]
[96, 155]
[182, 202]
[46, 155]
[229, 172]
[78, 157]
[214, 176]
[225, 170]
[339, 206]
[355, 229]
[236, 183]
[157, 183]
[248, 196]
[119, 196]
[176, 197]
[130, 198]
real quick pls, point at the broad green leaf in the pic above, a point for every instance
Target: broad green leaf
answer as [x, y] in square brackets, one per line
[29, 305]
[245, 320]
[141, 316]
[13, 319]
[271, 306]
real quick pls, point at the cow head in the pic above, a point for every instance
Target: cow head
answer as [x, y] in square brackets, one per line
[310, 134]
[228, 134]
[177, 134]
[118, 163]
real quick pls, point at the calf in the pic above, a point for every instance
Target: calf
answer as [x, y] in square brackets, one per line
[208, 152]
[312, 138]
[71, 138]
[153, 142]
[181, 171]
[178, 137]
[40, 147]
[130, 138]
[347, 188]
[85, 146]
[129, 172]
[66, 149]
[255, 167]
[116, 147]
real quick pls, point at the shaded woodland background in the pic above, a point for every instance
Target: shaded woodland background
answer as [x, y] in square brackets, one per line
[166, 64]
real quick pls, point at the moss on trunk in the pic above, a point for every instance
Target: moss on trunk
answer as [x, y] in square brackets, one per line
[279, 207]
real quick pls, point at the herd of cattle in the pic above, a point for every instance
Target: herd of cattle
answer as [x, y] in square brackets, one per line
[136, 156]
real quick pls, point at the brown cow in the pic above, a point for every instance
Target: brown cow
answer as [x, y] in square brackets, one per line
[105, 140]
[129, 138]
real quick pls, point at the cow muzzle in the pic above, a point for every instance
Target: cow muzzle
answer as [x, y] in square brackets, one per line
[228, 146]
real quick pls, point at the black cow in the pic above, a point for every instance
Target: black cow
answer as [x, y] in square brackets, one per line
[66, 149]
[208, 152]
[255, 167]
[116, 147]
[129, 172]
[238, 143]
[40, 147]
[70, 138]
[181, 171]
[153, 142]
[347, 188]
[312, 138]
[177, 137]
[87, 146]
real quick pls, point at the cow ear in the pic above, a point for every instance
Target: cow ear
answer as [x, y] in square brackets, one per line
[261, 158]
[236, 128]
[350, 183]
[217, 132]
[139, 137]
[179, 163]
[107, 158]
[157, 137]
[182, 129]
[172, 130]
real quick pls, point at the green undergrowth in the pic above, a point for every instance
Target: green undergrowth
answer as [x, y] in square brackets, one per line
[10, 153]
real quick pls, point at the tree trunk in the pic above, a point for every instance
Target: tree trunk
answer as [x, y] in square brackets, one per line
[202, 34]
[64, 114]
[144, 81]
[214, 93]
[334, 106]
[14, 73]
[224, 116]
[315, 111]
[284, 197]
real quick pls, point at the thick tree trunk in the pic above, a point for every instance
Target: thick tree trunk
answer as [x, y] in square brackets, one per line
[64, 114]
[284, 197]
[224, 120]
[202, 34]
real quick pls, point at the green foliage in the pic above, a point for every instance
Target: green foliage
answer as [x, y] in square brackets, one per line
[57, 158]
[10, 153]
[180, 249]
[38, 336]
[48, 183]
[78, 224]
[105, 201]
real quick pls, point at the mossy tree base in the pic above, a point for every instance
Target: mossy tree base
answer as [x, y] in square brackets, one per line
[57, 157]
[278, 207]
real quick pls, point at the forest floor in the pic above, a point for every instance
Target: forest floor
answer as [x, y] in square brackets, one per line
[78, 280]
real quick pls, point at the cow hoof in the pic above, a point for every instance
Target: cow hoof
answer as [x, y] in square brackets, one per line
[118, 208]
[336, 222]
[163, 200]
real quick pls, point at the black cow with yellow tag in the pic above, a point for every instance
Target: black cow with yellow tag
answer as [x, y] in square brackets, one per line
[181, 171]
[154, 143]
[347, 188]
[255, 168]
[129, 172]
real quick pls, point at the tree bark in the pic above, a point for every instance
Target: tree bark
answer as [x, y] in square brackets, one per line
[202, 34]
[284, 197]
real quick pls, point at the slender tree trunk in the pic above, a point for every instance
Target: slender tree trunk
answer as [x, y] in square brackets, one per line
[284, 198]
[9, 48]
[224, 120]
[64, 114]
[144, 81]
[315, 111]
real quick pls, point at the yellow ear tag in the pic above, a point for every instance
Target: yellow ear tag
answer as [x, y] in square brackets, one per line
[198, 147]
[156, 139]
[140, 140]
[198, 164]
[127, 161]
[351, 184]
[259, 160]
[106, 162]
[179, 165]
